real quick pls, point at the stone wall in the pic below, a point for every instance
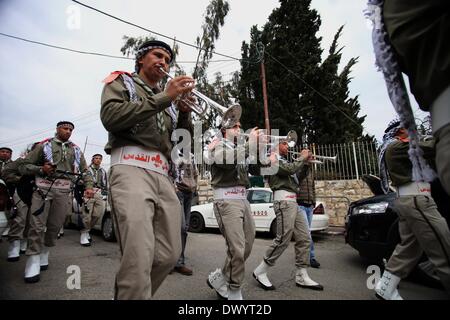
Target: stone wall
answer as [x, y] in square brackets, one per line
[336, 194]
[205, 192]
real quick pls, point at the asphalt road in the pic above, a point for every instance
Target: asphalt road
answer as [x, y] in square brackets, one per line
[343, 273]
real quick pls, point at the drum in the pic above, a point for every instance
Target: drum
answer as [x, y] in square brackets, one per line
[78, 193]
[25, 188]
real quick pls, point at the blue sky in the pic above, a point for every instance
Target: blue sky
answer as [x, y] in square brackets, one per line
[41, 86]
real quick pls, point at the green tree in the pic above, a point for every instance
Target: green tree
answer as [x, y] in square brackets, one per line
[304, 93]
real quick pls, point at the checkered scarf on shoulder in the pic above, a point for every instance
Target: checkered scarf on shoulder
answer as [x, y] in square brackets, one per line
[386, 61]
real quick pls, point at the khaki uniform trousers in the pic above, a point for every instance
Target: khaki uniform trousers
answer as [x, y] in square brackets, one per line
[146, 213]
[95, 209]
[238, 228]
[44, 227]
[422, 229]
[290, 221]
[19, 224]
[443, 156]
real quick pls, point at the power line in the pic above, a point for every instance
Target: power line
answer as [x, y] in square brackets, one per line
[64, 48]
[151, 31]
[89, 52]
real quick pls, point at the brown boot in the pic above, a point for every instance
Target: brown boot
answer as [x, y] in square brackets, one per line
[183, 270]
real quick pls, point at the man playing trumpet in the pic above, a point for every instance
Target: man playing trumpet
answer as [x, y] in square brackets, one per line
[289, 219]
[144, 205]
[229, 172]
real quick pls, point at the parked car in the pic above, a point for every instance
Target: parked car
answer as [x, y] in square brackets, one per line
[371, 226]
[261, 204]
[3, 206]
[104, 224]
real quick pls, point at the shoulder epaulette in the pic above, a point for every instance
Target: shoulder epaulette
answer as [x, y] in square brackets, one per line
[44, 141]
[113, 76]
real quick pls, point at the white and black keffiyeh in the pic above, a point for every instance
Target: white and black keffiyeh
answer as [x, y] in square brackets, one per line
[48, 152]
[141, 52]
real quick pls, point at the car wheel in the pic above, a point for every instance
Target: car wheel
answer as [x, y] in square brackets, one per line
[108, 228]
[196, 223]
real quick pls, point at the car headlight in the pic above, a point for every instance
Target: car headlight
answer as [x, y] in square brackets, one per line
[369, 208]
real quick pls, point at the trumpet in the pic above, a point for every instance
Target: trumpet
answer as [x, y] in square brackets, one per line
[230, 116]
[325, 158]
[291, 138]
[317, 159]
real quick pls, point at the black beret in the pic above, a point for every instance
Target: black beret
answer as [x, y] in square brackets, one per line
[6, 148]
[154, 44]
[393, 124]
[61, 123]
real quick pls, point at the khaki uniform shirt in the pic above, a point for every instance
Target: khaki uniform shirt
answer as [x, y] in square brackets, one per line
[34, 161]
[284, 178]
[2, 165]
[10, 173]
[231, 173]
[99, 177]
[398, 163]
[134, 123]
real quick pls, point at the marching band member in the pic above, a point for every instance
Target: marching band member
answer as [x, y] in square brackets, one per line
[289, 219]
[51, 201]
[19, 222]
[421, 227]
[144, 205]
[231, 208]
[5, 157]
[95, 207]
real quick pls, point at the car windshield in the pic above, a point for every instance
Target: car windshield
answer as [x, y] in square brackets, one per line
[259, 196]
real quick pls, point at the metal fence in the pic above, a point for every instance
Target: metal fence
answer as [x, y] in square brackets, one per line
[352, 161]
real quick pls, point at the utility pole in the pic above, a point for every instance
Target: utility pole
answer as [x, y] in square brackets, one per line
[85, 143]
[266, 106]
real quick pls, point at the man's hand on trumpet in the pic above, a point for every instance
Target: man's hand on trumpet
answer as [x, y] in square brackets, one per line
[306, 155]
[179, 86]
[254, 135]
[182, 102]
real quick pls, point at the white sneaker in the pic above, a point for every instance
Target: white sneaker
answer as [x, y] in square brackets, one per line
[23, 245]
[32, 269]
[217, 282]
[303, 280]
[386, 288]
[84, 240]
[235, 294]
[260, 274]
[44, 258]
[14, 251]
